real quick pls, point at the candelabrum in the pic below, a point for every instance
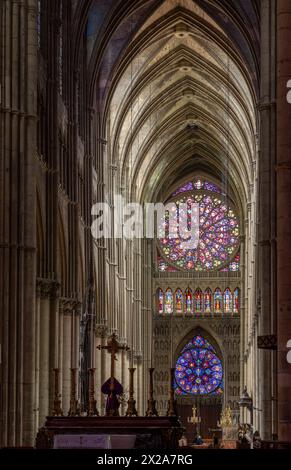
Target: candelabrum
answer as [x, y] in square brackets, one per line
[74, 403]
[151, 410]
[131, 409]
[172, 404]
[225, 422]
[92, 408]
[195, 419]
[57, 410]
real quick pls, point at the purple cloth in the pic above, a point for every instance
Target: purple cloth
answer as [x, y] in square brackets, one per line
[112, 388]
[112, 385]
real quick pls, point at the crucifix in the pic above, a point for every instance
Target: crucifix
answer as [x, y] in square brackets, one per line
[112, 387]
[113, 347]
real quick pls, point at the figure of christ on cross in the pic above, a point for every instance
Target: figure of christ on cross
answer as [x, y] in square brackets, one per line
[112, 387]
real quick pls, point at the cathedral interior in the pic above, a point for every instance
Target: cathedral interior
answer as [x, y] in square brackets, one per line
[157, 101]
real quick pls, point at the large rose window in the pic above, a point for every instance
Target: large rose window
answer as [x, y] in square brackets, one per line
[218, 232]
[199, 370]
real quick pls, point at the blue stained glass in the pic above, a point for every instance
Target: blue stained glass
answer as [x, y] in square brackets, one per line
[183, 189]
[198, 184]
[199, 370]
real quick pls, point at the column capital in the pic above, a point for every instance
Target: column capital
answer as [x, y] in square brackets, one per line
[47, 288]
[137, 356]
[70, 306]
[101, 330]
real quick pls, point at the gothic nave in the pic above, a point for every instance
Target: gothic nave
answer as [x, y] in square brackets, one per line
[153, 101]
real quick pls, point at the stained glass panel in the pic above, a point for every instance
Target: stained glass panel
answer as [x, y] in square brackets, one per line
[236, 300]
[179, 301]
[160, 301]
[198, 300]
[163, 266]
[227, 301]
[169, 301]
[189, 301]
[207, 300]
[183, 189]
[217, 301]
[198, 184]
[198, 369]
[234, 266]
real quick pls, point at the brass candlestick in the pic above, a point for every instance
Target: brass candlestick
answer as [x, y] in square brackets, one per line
[74, 404]
[172, 404]
[57, 410]
[92, 409]
[151, 411]
[195, 419]
[131, 409]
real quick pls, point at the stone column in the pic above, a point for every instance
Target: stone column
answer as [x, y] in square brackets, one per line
[18, 77]
[45, 288]
[67, 354]
[283, 216]
[266, 162]
[37, 354]
[61, 341]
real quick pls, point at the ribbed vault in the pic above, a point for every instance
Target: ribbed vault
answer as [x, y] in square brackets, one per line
[179, 96]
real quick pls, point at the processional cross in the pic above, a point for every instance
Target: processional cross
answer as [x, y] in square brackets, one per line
[112, 387]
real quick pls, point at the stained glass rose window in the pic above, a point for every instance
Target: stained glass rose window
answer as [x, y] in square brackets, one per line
[218, 241]
[198, 369]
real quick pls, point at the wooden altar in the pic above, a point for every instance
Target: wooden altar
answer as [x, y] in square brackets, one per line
[147, 432]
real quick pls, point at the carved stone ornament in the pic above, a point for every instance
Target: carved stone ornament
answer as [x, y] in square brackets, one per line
[267, 342]
[47, 288]
[101, 330]
[70, 306]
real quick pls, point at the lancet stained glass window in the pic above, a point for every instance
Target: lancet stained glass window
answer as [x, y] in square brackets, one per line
[198, 300]
[217, 300]
[169, 301]
[179, 301]
[218, 230]
[236, 300]
[189, 301]
[227, 300]
[207, 300]
[160, 301]
[198, 370]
